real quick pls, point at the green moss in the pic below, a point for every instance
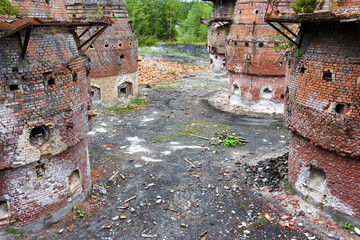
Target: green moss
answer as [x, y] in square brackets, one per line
[133, 105]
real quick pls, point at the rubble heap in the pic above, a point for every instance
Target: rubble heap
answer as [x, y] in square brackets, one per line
[269, 172]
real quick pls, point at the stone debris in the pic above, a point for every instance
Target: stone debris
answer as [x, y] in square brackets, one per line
[269, 172]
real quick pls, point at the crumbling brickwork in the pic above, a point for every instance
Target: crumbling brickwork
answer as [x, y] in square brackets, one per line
[113, 56]
[44, 119]
[219, 27]
[257, 71]
[323, 111]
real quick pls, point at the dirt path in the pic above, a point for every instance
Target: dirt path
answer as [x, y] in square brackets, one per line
[156, 194]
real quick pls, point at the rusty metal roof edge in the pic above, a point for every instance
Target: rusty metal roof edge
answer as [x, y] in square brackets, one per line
[19, 24]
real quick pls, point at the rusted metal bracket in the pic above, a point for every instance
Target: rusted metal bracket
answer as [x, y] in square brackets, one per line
[283, 32]
[23, 46]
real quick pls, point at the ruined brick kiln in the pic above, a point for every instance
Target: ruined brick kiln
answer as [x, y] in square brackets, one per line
[219, 27]
[114, 56]
[322, 104]
[44, 115]
[256, 69]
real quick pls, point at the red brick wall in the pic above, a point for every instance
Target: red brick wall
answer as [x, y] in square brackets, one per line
[62, 107]
[250, 55]
[342, 175]
[116, 51]
[312, 101]
[31, 198]
[252, 86]
[55, 9]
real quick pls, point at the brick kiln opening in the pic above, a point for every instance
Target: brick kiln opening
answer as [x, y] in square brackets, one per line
[236, 89]
[4, 210]
[125, 89]
[14, 87]
[40, 169]
[267, 93]
[74, 181]
[340, 108]
[317, 179]
[39, 135]
[75, 77]
[96, 94]
[327, 75]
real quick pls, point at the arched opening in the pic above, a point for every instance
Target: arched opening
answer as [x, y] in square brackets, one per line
[95, 94]
[266, 93]
[74, 181]
[125, 89]
[317, 179]
[236, 89]
[4, 209]
[39, 135]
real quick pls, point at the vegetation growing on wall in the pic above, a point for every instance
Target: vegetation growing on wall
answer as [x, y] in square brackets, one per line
[7, 9]
[168, 20]
[304, 6]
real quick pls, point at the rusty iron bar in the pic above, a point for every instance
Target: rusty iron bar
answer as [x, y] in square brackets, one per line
[287, 29]
[26, 42]
[282, 33]
[82, 34]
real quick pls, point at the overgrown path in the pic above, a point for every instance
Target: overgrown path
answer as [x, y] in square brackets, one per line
[155, 178]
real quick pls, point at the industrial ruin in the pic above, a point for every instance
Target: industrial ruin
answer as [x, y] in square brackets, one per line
[240, 39]
[116, 49]
[322, 103]
[45, 106]
[219, 27]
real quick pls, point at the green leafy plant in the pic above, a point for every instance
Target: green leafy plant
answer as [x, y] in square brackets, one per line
[231, 141]
[348, 226]
[289, 187]
[80, 212]
[305, 6]
[7, 9]
[10, 230]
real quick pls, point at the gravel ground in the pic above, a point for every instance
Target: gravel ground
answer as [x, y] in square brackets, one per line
[152, 180]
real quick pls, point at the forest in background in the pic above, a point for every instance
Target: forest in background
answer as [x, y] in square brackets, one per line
[169, 20]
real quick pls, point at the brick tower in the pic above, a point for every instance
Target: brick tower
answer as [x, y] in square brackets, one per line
[257, 71]
[322, 105]
[44, 115]
[114, 56]
[219, 27]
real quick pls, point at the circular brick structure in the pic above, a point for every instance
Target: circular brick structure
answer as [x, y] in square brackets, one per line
[323, 112]
[114, 56]
[257, 71]
[44, 163]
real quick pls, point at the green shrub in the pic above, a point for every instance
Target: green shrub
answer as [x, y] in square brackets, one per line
[7, 9]
[231, 141]
[304, 6]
